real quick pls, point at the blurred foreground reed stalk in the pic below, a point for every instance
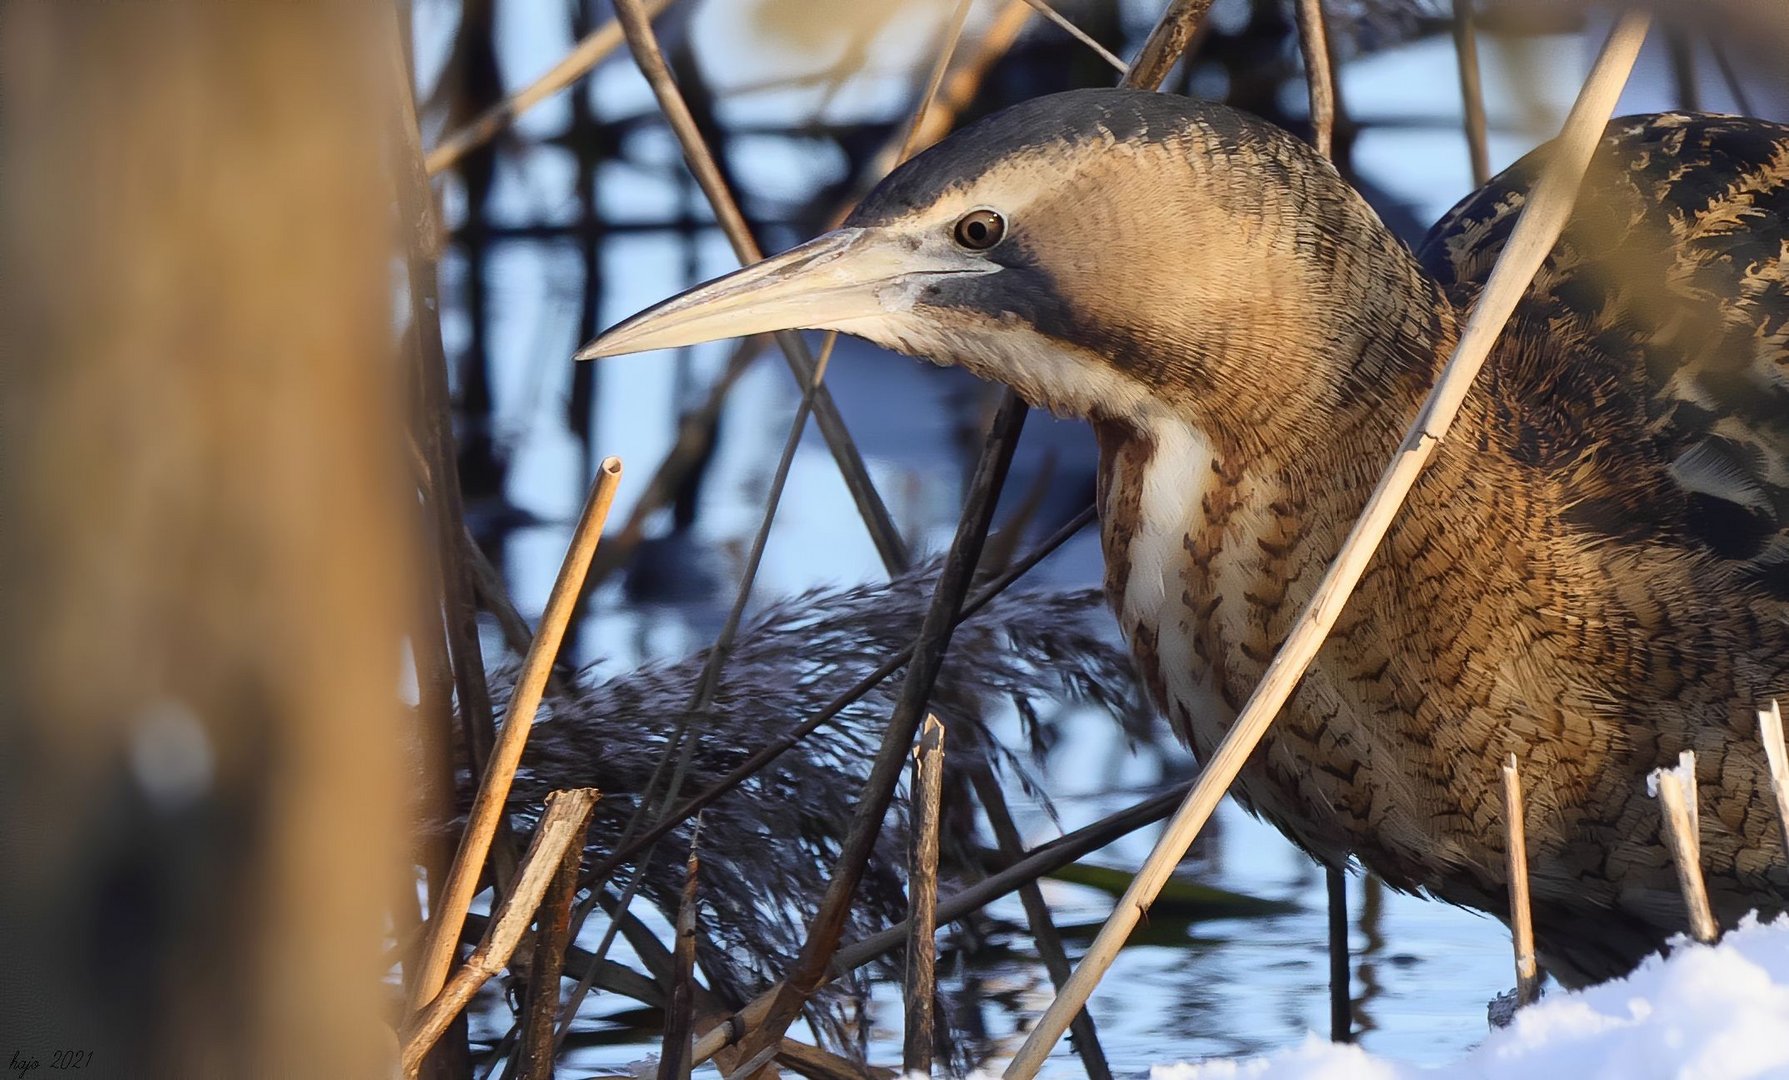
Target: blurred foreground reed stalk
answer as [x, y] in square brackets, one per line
[207, 528]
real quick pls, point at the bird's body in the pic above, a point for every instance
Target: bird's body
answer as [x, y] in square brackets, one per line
[1593, 573]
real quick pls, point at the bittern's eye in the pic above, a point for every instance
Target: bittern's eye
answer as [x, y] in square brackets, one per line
[981, 229]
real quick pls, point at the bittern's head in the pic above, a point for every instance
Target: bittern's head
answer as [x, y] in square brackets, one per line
[1107, 253]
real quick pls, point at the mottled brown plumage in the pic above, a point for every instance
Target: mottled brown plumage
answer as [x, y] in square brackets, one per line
[1593, 574]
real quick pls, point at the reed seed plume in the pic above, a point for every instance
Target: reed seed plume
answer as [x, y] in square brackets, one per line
[766, 847]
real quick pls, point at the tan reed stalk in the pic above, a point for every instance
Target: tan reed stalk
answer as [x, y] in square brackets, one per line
[1682, 825]
[1472, 91]
[1319, 74]
[1521, 916]
[493, 789]
[561, 827]
[1770, 729]
[1549, 206]
[586, 54]
[1676, 791]
[922, 899]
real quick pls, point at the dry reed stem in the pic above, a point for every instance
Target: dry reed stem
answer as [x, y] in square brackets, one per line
[1472, 91]
[445, 501]
[1521, 915]
[931, 643]
[1037, 915]
[1173, 32]
[1770, 729]
[1549, 206]
[534, 1054]
[922, 899]
[696, 153]
[590, 51]
[1044, 859]
[561, 830]
[1676, 791]
[493, 789]
[1319, 74]
[1079, 35]
[674, 1059]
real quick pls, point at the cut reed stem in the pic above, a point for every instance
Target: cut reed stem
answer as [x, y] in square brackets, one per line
[493, 789]
[1770, 730]
[552, 935]
[1676, 791]
[561, 827]
[922, 900]
[1521, 914]
[1549, 206]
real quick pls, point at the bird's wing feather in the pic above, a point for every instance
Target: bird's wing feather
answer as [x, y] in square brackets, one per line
[1674, 272]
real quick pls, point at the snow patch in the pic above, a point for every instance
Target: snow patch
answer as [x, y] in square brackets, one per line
[1705, 1011]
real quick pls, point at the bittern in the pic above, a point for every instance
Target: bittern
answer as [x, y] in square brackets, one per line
[1593, 573]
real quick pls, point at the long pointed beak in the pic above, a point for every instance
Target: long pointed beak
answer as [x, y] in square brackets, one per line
[828, 281]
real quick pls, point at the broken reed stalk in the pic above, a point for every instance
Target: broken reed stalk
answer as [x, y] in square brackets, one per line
[674, 1058]
[922, 900]
[1521, 914]
[590, 51]
[534, 1055]
[1043, 860]
[1319, 74]
[493, 789]
[1080, 35]
[643, 42]
[1472, 91]
[1037, 914]
[1676, 791]
[1770, 730]
[1549, 206]
[561, 830]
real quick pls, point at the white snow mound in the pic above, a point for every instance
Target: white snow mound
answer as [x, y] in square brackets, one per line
[1718, 1011]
